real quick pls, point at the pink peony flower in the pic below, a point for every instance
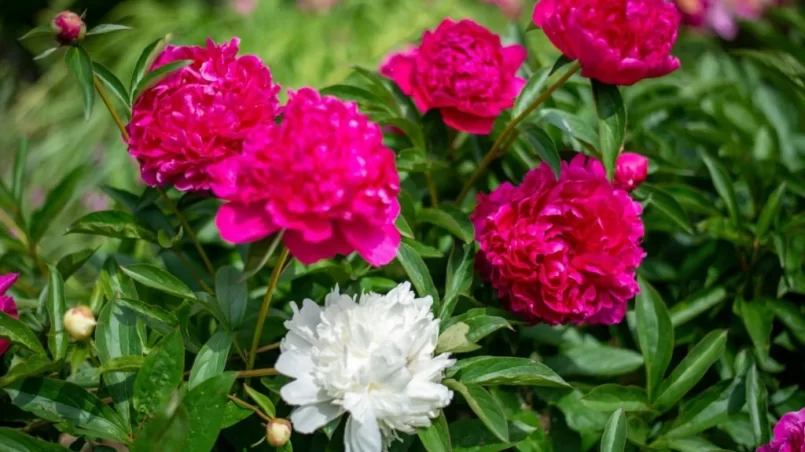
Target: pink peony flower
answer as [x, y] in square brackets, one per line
[561, 251]
[789, 434]
[316, 5]
[462, 69]
[631, 170]
[721, 16]
[243, 7]
[618, 42]
[510, 8]
[7, 304]
[201, 114]
[323, 176]
[68, 27]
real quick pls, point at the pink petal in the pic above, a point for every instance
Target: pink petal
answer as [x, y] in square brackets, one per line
[377, 245]
[311, 252]
[240, 223]
[466, 122]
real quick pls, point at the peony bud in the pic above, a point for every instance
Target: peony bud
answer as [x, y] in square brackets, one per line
[630, 171]
[68, 27]
[278, 432]
[79, 322]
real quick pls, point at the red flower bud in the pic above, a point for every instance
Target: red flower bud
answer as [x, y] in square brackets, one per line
[630, 171]
[68, 27]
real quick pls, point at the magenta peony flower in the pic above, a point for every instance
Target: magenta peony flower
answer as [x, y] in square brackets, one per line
[561, 251]
[789, 434]
[7, 304]
[68, 27]
[201, 114]
[631, 170]
[618, 42]
[462, 69]
[323, 175]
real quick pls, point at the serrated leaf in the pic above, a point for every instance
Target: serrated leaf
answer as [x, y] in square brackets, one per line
[112, 223]
[159, 376]
[262, 401]
[611, 123]
[655, 334]
[484, 406]
[57, 336]
[211, 360]
[159, 279]
[80, 64]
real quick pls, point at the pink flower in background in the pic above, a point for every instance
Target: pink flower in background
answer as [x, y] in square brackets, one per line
[323, 176]
[510, 8]
[200, 114]
[463, 70]
[789, 434]
[95, 201]
[721, 16]
[631, 170]
[561, 251]
[618, 42]
[244, 7]
[316, 5]
[7, 304]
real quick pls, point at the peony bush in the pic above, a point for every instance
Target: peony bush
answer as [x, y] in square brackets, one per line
[453, 251]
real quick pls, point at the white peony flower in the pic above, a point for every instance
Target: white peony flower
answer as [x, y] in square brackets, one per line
[372, 359]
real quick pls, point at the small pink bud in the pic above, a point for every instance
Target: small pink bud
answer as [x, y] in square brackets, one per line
[68, 27]
[79, 322]
[278, 432]
[630, 171]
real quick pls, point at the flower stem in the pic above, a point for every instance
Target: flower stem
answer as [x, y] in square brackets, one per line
[434, 196]
[501, 144]
[250, 406]
[126, 138]
[257, 373]
[261, 319]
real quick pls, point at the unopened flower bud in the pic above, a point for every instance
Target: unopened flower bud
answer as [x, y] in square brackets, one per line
[278, 432]
[68, 27]
[630, 171]
[79, 322]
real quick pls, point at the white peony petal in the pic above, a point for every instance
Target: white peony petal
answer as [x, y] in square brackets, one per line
[294, 364]
[363, 435]
[309, 418]
[303, 391]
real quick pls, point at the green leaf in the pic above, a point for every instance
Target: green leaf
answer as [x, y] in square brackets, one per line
[112, 223]
[691, 444]
[70, 263]
[484, 406]
[770, 211]
[697, 304]
[571, 124]
[18, 175]
[60, 401]
[459, 278]
[144, 62]
[116, 336]
[685, 376]
[451, 219]
[611, 397]
[710, 408]
[666, 204]
[114, 84]
[17, 332]
[46, 53]
[378, 83]
[159, 279]
[55, 203]
[211, 360]
[411, 129]
[544, 146]
[122, 364]
[480, 324]
[13, 440]
[757, 400]
[655, 334]
[454, 340]
[362, 97]
[404, 227]
[510, 371]
[259, 254]
[614, 437]
[57, 336]
[80, 63]
[34, 365]
[106, 28]
[160, 375]
[436, 438]
[759, 321]
[262, 401]
[418, 273]
[723, 184]
[595, 361]
[423, 250]
[38, 31]
[206, 405]
[234, 414]
[791, 316]
[532, 89]
[560, 63]
[166, 431]
[157, 318]
[232, 295]
[611, 123]
[153, 77]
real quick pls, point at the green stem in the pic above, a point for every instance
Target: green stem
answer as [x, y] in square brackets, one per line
[501, 144]
[257, 373]
[261, 319]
